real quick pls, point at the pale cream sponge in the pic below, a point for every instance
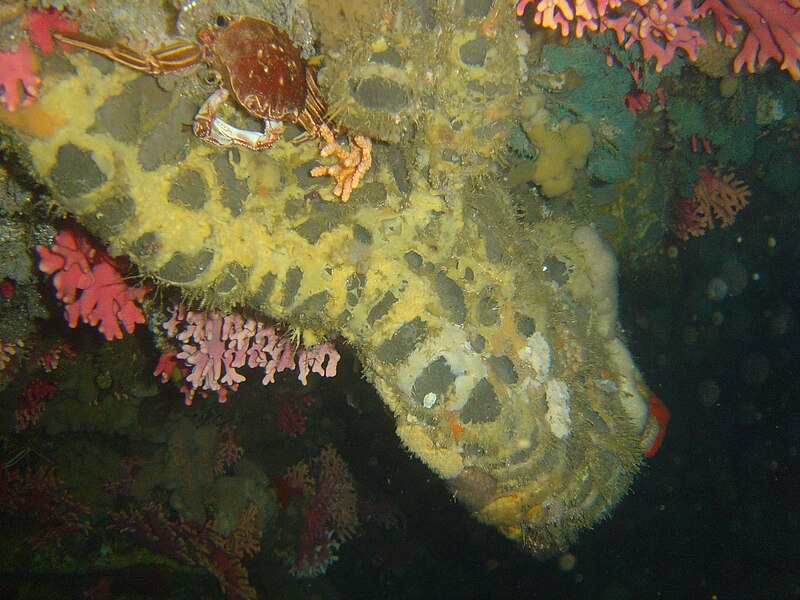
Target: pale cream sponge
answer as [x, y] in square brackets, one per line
[601, 284]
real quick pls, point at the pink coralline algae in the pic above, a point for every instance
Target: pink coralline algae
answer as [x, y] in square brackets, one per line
[636, 101]
[331, 514]
[555, 14]
[90, 285]
[7, 351]
[661, 27]
[42, 22]
[198, 545]
[19, 85]
[214, 346]
[49, 360]
[228, 451]
[773, 31]
[40, 498]
[292, 416]
[32, 404]
[716, 196]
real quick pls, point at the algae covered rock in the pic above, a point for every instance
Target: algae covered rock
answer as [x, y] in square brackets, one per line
[494, 346]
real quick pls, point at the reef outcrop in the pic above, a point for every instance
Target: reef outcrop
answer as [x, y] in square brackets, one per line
[494, 345]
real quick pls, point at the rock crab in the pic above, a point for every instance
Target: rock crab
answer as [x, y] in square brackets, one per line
[260, 66]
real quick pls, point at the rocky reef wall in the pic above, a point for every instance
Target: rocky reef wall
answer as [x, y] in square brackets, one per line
[494, 345]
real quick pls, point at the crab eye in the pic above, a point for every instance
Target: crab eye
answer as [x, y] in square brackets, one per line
[222, 20]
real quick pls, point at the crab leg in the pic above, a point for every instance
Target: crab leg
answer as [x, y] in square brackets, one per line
[165, 59]
[313, 116]
[210, 128]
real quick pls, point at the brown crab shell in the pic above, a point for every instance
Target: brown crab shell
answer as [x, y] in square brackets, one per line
[261, 67]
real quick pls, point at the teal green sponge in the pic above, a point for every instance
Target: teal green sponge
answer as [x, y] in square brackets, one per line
[594, 94]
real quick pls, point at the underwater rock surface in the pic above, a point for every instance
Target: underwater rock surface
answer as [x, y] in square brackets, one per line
[494, 346]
